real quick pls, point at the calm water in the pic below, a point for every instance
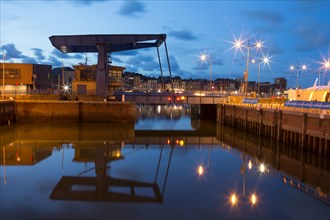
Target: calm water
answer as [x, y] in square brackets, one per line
[165, 166]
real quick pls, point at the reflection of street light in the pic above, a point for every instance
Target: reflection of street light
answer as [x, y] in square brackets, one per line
[252, 199]
[233, 199]
[200, 170]
[264, 60]
[203, 57]
[292, 68]
[238, 44]
[262, 168]
[3, 75]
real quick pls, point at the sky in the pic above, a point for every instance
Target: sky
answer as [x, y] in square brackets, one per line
[293, 32]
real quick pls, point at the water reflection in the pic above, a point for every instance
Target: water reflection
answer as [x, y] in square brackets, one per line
[172, 112]
[291, 164]
[216, 171]
[103, 187]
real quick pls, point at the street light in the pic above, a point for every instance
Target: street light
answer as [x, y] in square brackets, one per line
[292, 68]
[3, 75]
[203, 57]
[264, 60]
[238, 44]
[325, 66]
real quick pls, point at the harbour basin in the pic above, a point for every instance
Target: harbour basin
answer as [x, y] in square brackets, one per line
[164, 166]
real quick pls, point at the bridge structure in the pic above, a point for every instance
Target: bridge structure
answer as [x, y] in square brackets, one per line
[169, 98]
[104, 45]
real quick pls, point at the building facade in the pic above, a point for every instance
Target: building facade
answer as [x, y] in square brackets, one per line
[62, 76]
[85, 79]
[21, 78]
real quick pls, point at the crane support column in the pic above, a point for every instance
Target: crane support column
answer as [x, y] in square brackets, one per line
[101, 70]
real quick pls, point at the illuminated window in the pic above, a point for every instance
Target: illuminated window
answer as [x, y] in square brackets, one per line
[116, 75]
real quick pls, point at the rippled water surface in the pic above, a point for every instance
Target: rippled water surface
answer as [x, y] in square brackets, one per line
[165, 166]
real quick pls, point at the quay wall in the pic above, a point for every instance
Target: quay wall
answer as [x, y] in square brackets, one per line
[7, 112]
[107, 111]
[32, 110]
[308, 130]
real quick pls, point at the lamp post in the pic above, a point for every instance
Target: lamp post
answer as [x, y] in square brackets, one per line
[203, 57]
[238, 44]
[292, 68]
[264, 60]
[3, 76]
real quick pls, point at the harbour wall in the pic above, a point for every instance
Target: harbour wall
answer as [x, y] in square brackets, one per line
[7, 112]
[310, 131]
[32, 110]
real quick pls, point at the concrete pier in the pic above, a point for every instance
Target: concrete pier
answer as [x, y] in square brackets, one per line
[7, 112]
[32, 110]
[311, 131]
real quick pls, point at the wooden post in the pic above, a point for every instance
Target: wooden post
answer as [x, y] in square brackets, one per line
[303, 130]
[278, 125]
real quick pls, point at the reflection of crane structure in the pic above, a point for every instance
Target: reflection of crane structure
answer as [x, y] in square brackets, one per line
[103, 187]
[101, 144]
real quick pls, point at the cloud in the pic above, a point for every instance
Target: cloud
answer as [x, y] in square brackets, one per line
[311, 36]
[217, 62]
[30, 60]
[262, 22]
[206, 65]
[142, 62]
[269, 17]
[132, 9]
[38, 53]
[116, 60]
[85, 2]
[183, 35]
[55, 62]
[61, 55]
[175, 67]
[12, 52]
[126, 53]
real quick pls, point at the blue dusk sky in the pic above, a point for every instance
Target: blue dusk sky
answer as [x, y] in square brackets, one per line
[293, 33]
